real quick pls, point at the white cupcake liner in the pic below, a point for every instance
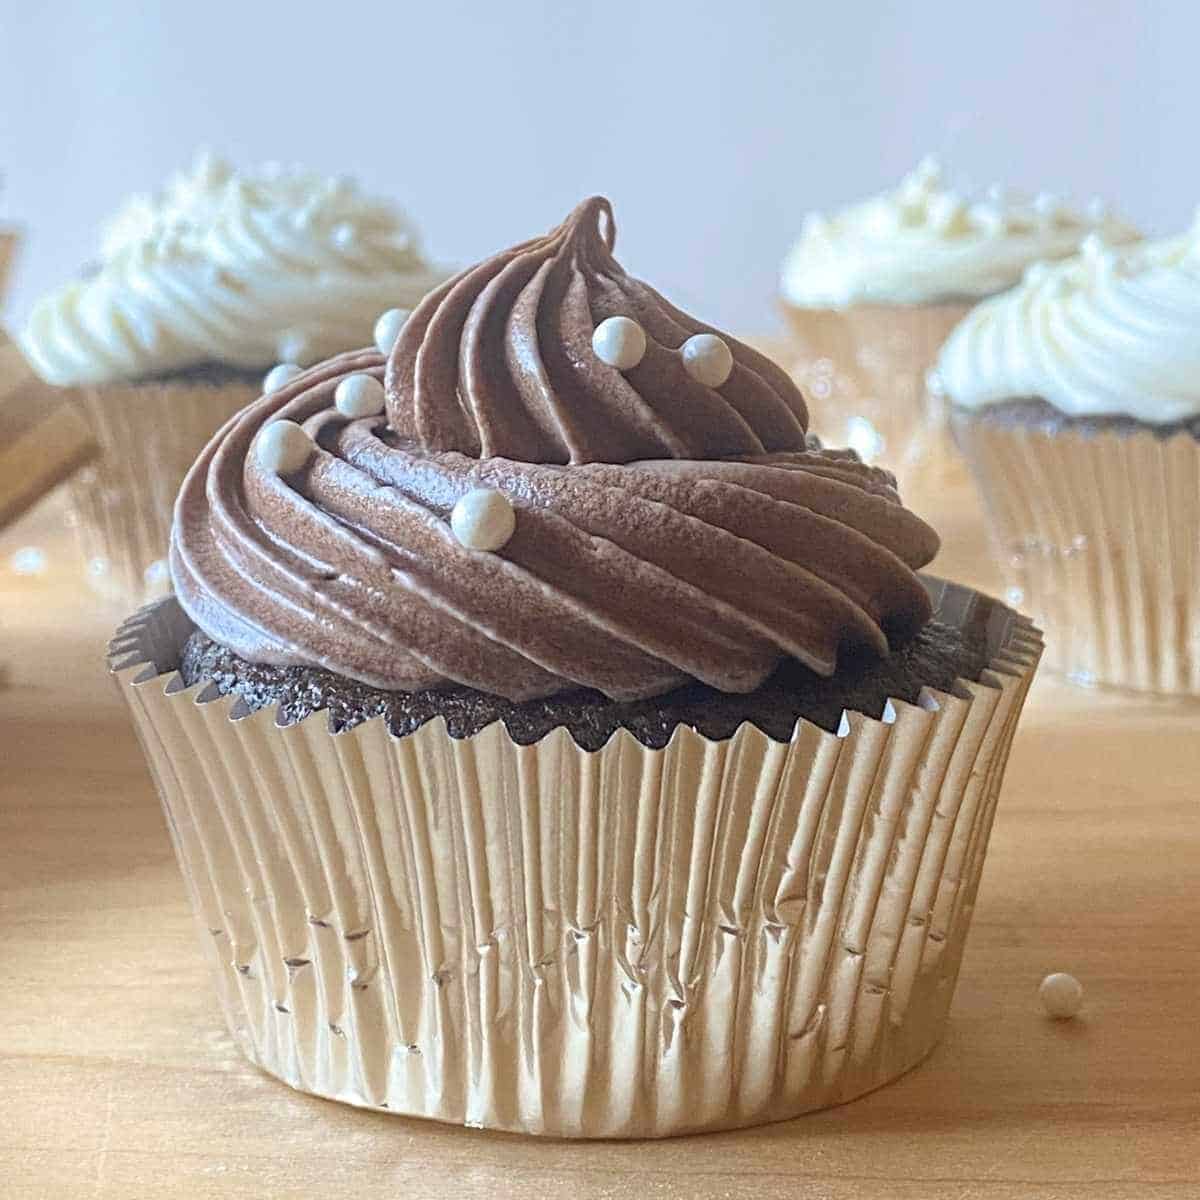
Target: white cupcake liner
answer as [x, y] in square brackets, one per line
[863, 370]
[1099, 536]
[149, 435]
[619, 943]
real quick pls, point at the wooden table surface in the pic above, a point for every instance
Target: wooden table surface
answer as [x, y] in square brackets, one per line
[119, 1081]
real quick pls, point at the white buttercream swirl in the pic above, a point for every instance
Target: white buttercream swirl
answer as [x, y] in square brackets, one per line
[1110, 332]
[924, 242]
[244, 269]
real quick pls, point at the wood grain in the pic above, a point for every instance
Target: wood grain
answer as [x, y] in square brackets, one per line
[120, 1082]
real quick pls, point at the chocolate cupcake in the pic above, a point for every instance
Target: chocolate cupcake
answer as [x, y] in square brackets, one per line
[872, 291]
[554, 738]
[198, 293]
[1077, 404]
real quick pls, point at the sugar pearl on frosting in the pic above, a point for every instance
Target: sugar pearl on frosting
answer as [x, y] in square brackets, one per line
[483, 519]
[359, 396]
[948, 213]
[283, 447]
[707, 359]
[1061, 995]
[344, 235]
[987, 218]
[620, 342]
[387, 328]
[1051, 209]
[279, 375]
[292, 346]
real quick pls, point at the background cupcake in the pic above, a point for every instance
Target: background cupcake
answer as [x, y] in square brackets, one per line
[1077, 402]
[871, 292]
[198, 292]
[554, 739]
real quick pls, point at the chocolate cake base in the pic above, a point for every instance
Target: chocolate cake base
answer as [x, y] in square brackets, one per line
[935, 658]
[1045, 418]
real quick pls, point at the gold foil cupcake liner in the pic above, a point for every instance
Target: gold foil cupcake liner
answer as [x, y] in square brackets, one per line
[619, 943]
[863, 370]
[149, 435]
[1099, 537]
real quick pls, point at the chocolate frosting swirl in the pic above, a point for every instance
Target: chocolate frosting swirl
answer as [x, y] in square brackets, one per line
[665, 530]
[498, 362]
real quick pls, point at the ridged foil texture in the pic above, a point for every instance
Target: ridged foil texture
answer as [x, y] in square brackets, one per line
[862, 370]
[149, 436]
[1099, 537]
[621, 943]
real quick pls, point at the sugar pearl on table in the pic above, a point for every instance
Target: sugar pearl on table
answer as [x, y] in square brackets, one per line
[620, 342]
[279, 375]
[483, 519]
[359, 396]
[387, 328]
[283, 447]
[707, 359]
[1061, 995]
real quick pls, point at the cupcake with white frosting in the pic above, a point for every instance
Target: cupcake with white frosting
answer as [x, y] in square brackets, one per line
[872, 291]
[1076, 398]
[201, 291]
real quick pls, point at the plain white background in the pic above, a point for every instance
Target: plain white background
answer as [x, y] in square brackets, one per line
[713, 126]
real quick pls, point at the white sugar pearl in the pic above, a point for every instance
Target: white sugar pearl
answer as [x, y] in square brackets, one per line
[359, 396]
[292, 346]
[948, 213]
[1061, 995]
[707, 359]
[387, 328]
[283, 447]
[987, 218]
[344, 235]
[620, 342]
[483, 519]
[279, 375]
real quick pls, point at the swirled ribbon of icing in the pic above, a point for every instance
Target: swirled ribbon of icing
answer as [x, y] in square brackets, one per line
[648, 550]
[499, 361]
[924, 242]
[240, 268]
[1112, 332]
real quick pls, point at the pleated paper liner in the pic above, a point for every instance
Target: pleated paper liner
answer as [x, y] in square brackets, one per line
[619, 943]
[862, 370]
[149, 436]
[1099, 536]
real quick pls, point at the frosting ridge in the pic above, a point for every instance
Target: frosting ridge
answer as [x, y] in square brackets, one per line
[1114, 331]
[512, 339]
[923, 242]
[640, 551]
[244, 269]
